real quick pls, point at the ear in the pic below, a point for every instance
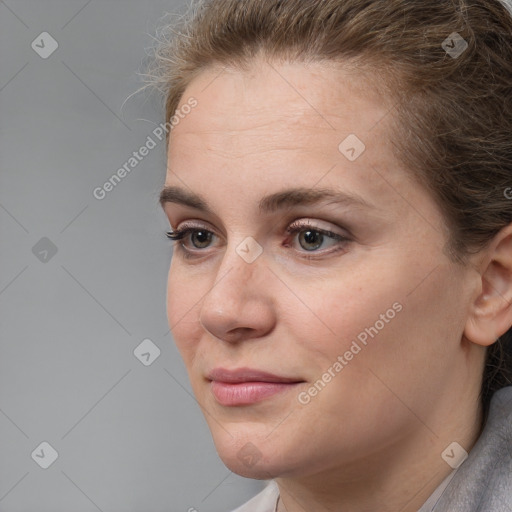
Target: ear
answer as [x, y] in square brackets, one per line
[490, 313]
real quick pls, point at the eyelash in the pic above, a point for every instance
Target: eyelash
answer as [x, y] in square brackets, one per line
[293, 229]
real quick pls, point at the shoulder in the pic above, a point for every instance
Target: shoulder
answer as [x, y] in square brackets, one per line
[483, 481]
[265, 501]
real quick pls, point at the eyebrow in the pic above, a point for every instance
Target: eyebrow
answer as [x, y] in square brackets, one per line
[284, 199]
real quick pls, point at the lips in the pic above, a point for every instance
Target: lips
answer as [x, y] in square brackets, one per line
[247, 375]
[245, 386]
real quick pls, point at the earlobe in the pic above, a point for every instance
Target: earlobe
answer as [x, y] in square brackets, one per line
[490, 313]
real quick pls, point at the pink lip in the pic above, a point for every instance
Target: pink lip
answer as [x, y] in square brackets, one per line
[245, 386]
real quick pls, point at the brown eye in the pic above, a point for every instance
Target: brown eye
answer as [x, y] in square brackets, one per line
[202, 237]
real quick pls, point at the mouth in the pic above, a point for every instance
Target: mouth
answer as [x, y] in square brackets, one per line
[246, 386]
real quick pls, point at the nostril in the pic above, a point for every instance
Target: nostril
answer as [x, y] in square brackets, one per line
[238, 334]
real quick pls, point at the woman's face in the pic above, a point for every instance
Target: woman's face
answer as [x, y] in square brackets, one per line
[365, 328]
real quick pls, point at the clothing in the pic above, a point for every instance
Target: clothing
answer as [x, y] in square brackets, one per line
[508, 5]
[482, 483]
[266, 500]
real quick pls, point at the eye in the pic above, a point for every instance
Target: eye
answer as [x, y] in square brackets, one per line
[202, 236]
[311, 238]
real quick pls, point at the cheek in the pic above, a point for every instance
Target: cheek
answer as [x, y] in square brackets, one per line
[391, 319]
[386, 343]
[357, 305]
[183, 313]
[395, 333]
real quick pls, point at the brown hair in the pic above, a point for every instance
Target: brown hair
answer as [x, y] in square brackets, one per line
[452, 125]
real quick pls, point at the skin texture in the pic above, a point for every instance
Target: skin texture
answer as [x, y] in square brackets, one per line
[372, 438]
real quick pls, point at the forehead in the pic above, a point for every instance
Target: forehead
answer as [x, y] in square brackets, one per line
[257, 131]
[287, 102]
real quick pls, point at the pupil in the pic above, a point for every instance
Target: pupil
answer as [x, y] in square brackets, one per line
[201, 236]
[312, 237]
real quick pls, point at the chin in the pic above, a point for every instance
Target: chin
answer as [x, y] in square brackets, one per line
[257, 472]
[252, 456]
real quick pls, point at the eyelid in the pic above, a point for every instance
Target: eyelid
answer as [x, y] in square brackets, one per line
[193, 225]
[186, 227]
[304, 224]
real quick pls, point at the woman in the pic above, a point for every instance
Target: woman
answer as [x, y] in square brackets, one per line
[341, 285]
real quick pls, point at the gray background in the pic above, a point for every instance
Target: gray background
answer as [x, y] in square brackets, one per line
[129, 437]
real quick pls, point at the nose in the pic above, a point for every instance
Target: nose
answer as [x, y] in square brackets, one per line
[239, 304]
